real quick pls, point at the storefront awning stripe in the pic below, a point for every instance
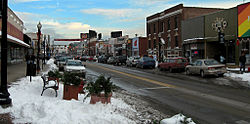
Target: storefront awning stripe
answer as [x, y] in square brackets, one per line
[15, 40]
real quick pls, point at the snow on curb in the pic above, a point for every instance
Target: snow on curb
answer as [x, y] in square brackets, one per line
[177, 119]
[243, 78]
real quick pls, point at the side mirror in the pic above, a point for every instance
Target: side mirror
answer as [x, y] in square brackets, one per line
[84, 65]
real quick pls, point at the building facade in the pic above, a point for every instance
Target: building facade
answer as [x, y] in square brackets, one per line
[164, 29]
[17, 48]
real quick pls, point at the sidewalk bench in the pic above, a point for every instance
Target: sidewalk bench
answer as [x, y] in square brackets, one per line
[52, 84]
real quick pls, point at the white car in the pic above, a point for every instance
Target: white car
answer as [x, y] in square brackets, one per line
[75, 66]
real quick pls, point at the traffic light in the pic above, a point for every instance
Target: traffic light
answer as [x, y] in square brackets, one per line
[221, 37]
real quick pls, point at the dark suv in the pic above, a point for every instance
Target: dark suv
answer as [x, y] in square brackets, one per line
[120, 60]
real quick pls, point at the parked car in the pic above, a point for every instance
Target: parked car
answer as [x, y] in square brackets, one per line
[111, 60]
[84, 58]
[146, 62]
[132, 61]
[206, 67]
[173, 64]
[75, 66]
[120, 60]
[102, 59]
[62, 62]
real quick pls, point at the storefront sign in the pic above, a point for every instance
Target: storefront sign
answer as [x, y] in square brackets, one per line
[135, 43]
[244, 20]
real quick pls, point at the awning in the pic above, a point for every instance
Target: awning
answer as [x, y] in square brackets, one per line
[15, 40]
[163, 41]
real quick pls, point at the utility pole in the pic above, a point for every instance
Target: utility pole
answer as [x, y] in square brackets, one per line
[4, 94]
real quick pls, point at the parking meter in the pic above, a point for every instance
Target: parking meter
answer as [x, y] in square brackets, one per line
[31, 66]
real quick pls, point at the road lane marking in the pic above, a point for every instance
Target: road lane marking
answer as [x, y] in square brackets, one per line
[154, 88]
[137, 77]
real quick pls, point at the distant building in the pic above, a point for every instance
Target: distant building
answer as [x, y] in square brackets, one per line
[164, 29]
[116, 34]
[61, 45]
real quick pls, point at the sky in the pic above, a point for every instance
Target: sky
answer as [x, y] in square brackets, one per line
[69, 18]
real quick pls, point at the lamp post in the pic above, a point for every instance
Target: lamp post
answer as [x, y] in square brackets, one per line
[4, 94]
[39, 26]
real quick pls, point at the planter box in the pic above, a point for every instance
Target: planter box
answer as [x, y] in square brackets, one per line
[100, 98]
[70, 92]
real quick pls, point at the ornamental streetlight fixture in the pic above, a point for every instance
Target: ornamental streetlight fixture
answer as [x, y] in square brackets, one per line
[4, 94]
[39, 26]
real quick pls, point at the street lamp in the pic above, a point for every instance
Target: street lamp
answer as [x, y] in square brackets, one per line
[4, 94]
[39, 26]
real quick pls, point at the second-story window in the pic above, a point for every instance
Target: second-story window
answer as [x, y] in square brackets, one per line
[149, 44]
[149, 30]
[176, 41]
[154, 43]
[176, 22]
[169, 42]
[168, 24]
[154, 28]
[162, 27]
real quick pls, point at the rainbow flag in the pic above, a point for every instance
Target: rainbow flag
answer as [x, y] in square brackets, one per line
[244, 20]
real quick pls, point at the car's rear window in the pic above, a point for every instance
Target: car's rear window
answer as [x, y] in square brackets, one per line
[211, 62]
[74, 63]
[181, 60]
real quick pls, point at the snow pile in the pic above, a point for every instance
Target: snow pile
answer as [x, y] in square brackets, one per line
[52, 65]
[242, 77]
[177, 119]
[30, 107]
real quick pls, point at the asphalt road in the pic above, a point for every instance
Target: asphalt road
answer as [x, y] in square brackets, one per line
[193, 96]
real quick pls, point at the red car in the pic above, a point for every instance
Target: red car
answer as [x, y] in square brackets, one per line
[173, 64]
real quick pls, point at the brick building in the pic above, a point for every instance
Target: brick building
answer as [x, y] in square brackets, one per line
[16, 45]
[164, 29]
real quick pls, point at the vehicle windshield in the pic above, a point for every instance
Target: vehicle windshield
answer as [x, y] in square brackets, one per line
[74, 63]
[181, 61]
[211, 62]
[147, 59]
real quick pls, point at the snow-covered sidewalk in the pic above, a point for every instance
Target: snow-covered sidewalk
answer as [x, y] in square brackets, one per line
[28, 106]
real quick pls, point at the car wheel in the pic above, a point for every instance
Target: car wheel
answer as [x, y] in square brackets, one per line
[160, 68]
[171, 70]
[202, 74]
[187, 72]
[221, 75]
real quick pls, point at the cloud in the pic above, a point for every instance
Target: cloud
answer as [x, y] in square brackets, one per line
[146, 2]
[212, 4]
[112, 13]
[23, 1]
[52, 26]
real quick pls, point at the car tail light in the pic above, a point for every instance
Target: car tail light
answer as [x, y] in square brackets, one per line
[144, 62]
[211, 68]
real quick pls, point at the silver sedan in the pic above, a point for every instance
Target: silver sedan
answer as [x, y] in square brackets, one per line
[206, 67]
